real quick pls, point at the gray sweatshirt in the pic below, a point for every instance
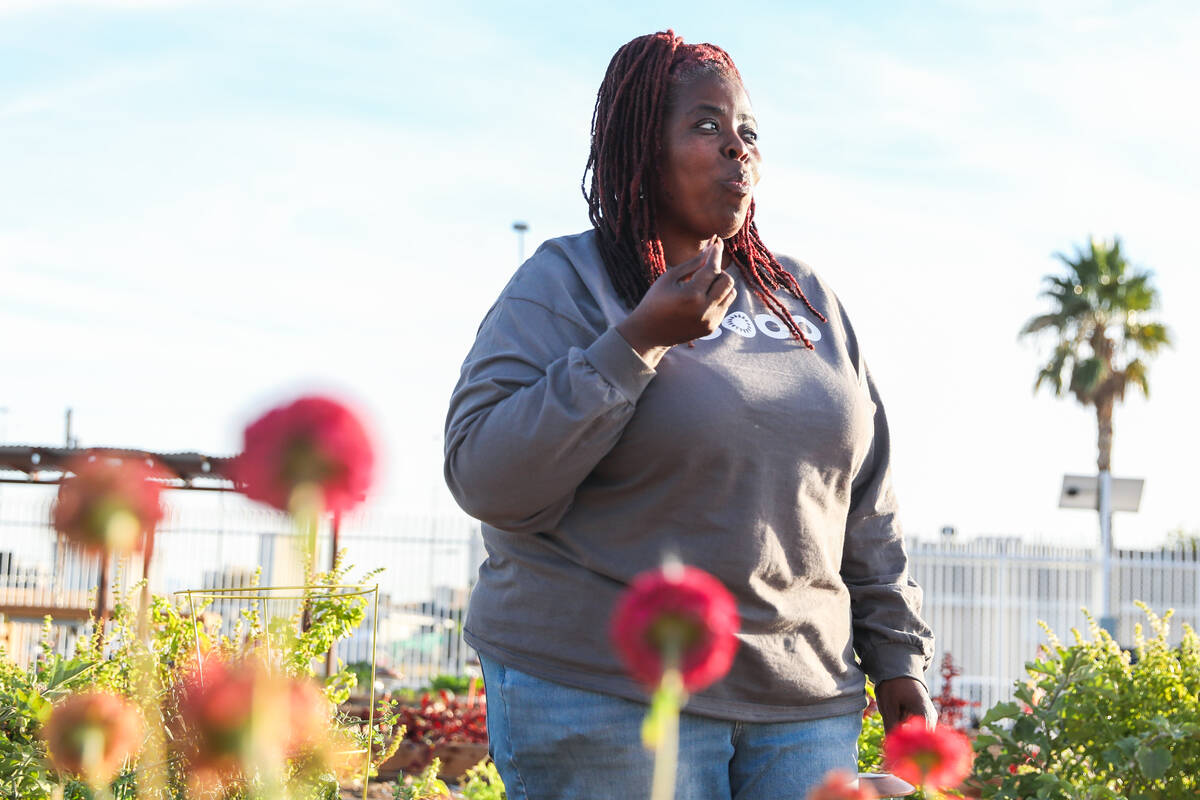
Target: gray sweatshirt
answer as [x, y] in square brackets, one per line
[746, 455]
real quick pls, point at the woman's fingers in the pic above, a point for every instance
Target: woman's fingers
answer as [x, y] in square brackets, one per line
[686, 303]
[719, 287]
[701, 268]
[727, 300]
[711, 268]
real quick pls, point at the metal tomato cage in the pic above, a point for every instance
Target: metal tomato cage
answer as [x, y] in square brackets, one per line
[264, 597]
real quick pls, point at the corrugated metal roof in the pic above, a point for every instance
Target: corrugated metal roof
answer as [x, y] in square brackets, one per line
[184, 469]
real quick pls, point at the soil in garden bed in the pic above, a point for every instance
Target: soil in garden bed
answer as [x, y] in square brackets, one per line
[381, 790]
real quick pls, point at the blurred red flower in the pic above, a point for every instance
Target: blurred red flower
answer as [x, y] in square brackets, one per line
[309, 717]
[313, 441]
[217, 707]
[107, 503]
[91, 734]
[676, 607]
[940, 758]
[235, 711]
[839, 785]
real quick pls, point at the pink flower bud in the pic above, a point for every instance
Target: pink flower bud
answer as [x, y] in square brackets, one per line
[682, 609]
[314, 441]
[92, 734]
[107, 503]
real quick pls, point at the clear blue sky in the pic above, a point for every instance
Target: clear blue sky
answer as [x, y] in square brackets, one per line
[207, 206]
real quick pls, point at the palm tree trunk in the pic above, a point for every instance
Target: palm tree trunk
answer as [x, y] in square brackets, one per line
[1104, 422]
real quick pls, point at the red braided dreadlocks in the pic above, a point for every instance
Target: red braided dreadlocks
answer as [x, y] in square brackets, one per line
[626, 142]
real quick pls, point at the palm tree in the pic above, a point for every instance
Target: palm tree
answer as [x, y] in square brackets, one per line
[1103, 341]
[1103, 337]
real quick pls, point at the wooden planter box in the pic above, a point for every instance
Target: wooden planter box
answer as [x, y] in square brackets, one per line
[457, 758]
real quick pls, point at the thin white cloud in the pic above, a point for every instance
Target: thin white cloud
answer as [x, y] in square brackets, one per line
[68, 95]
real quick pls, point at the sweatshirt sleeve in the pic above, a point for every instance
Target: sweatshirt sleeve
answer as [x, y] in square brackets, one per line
[890, 637]
[540, 401]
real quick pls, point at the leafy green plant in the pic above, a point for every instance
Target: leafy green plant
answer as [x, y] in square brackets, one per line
[114, 656]
[425, 786]
[26, 697]
[483, 783]
[870, 739]
[1095, 722]
[459, 684]
[361, 671]
[326, 617]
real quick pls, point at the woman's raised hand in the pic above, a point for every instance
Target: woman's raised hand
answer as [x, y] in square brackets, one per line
[687, 302]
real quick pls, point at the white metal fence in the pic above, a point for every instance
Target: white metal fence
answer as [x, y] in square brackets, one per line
[983, 598]
[216, 541]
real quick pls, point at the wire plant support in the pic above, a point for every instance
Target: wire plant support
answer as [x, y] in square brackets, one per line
[263, 595]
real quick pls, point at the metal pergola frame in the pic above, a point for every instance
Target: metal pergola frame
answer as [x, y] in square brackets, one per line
[190, 471]
[48, 465]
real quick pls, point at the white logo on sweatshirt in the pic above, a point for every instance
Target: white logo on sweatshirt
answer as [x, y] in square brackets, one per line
[739, 322]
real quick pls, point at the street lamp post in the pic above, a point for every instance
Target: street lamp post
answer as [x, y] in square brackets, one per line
[520, 228]
[1104, 494]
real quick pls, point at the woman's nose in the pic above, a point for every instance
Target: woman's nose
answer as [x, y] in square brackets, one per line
[736, 148]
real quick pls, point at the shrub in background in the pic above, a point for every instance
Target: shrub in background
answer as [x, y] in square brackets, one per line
[1095, 722]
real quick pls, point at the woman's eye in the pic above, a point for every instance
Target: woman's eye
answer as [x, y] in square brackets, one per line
[708, 125]
[750, 135]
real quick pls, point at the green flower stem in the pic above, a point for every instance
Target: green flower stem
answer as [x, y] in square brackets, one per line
[93, 751]
[665, 713]
[305, 506]
[661, 729]
[151, 763]
[262, 760]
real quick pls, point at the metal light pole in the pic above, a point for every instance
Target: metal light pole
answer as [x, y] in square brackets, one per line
[1108, 620]
[1105, 494]
[520, 228]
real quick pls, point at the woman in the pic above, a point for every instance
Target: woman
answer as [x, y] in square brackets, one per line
[664, 383]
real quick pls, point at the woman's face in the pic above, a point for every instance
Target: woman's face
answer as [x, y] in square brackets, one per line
[710, 163]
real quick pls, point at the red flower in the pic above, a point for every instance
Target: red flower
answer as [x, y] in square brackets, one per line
[217, 706]
[314, 441]
[951, 708]
[840, 785]
[108, 503]
[233, 711]
[309, 715]
[92, 734]
[676, 607]
[940, 758]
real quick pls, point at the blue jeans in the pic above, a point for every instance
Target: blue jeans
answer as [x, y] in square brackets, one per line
[554, 742]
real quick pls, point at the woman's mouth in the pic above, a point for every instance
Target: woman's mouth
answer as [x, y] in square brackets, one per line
[739, 186]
